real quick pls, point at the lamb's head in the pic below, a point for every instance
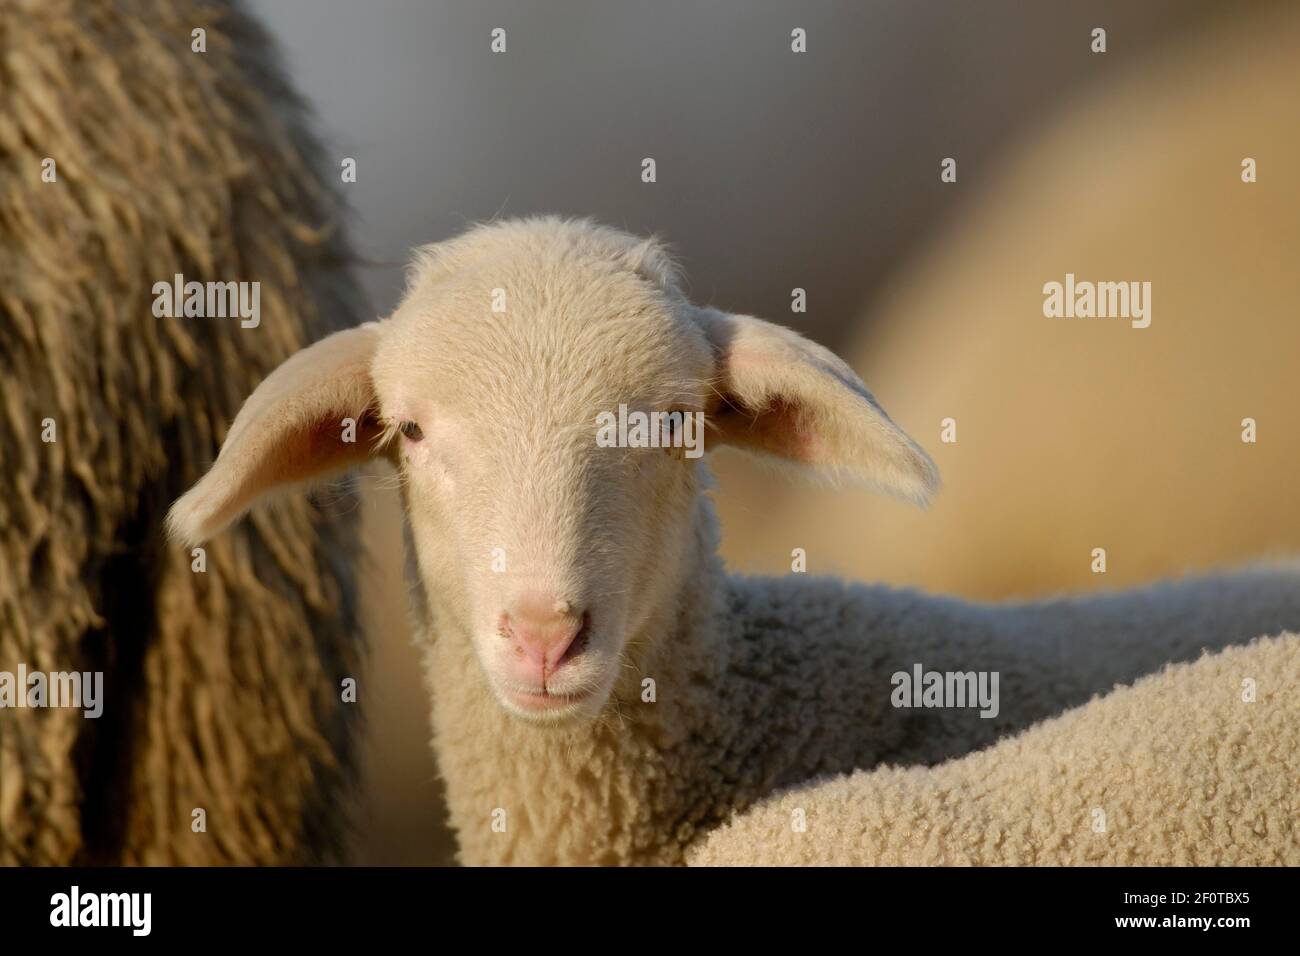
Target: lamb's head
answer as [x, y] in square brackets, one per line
[543, 391]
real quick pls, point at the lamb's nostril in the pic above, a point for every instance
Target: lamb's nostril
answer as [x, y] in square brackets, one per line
[580, 640]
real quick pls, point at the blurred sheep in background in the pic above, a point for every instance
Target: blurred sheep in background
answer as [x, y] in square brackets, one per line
[1074, 434]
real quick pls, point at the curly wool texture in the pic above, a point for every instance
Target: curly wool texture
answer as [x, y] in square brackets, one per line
[168, 161]
[1177, 770]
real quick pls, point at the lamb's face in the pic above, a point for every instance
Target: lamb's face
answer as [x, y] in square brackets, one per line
[557, 543]
[511, 389]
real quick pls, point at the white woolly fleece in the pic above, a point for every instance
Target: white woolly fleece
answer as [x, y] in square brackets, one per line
[1180, 769]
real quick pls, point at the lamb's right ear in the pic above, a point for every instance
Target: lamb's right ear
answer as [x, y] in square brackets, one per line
[293, 428]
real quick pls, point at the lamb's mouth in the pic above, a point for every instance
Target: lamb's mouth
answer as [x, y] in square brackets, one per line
[545, 700]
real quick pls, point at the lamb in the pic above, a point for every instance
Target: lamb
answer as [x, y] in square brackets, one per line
[165, 161]
[1194, 766]
[602, 691]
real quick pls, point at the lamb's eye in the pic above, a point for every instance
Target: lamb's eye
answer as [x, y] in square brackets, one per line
[411, 431]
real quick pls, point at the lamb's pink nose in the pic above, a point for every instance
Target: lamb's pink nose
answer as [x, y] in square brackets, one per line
[543, 630]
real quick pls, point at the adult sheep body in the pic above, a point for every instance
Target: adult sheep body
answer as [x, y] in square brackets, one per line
[1194, 766]
[221, 685]
[602, 691]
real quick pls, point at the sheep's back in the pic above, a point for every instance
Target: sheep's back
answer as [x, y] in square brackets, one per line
[1193, 766]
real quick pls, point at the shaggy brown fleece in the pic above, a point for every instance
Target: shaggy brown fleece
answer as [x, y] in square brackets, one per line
[168, 161]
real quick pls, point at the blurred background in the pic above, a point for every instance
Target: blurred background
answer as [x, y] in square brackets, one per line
[821, 171]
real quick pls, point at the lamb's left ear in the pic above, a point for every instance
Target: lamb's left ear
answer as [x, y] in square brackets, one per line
[779, 393]
[310, 417]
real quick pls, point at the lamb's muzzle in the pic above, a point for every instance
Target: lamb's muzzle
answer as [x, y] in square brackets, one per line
[545, 635]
